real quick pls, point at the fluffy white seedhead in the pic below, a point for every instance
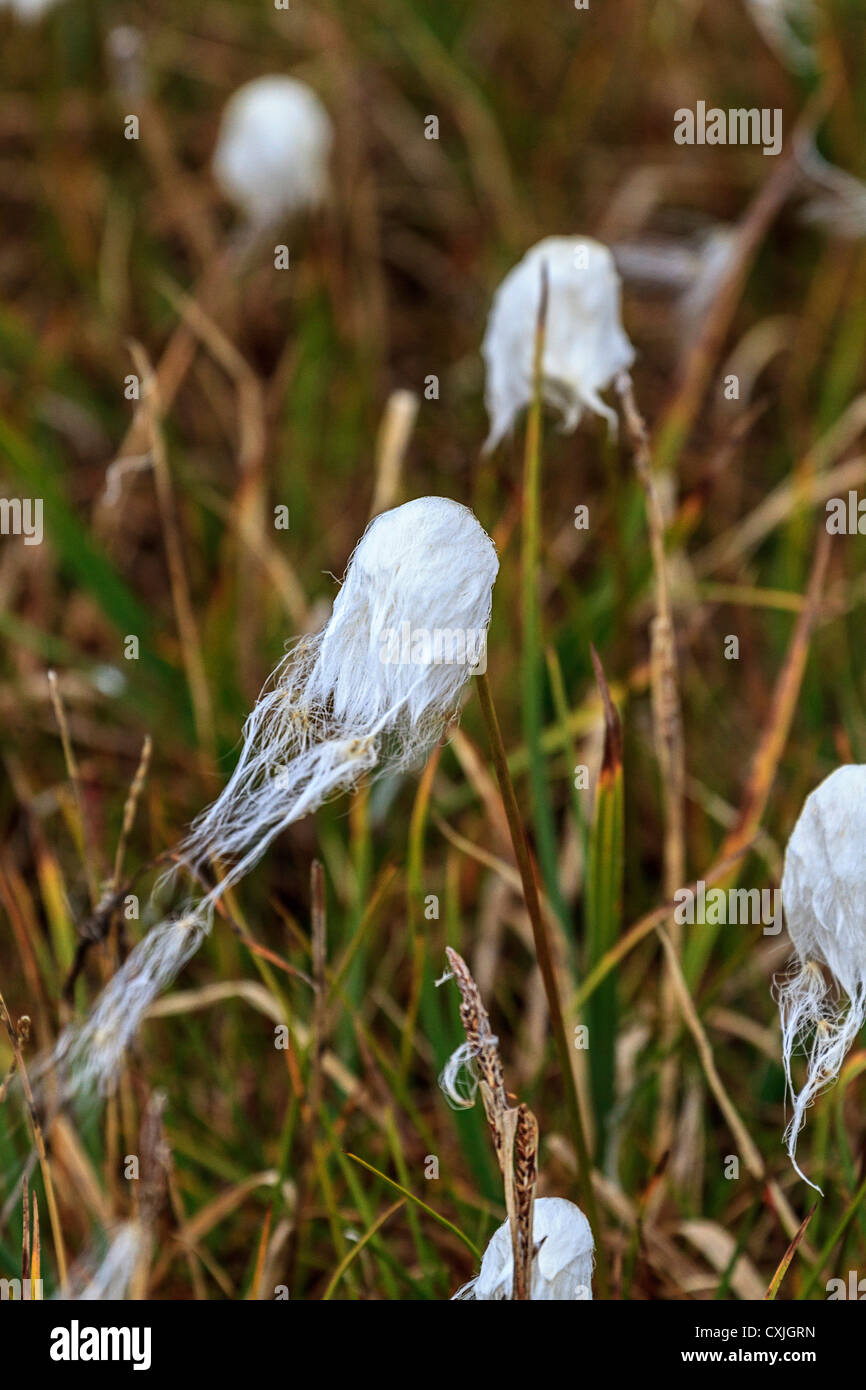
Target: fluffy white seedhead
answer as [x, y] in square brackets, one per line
[585, 345]
[373, 690]
[779, 22]
[273, 147]
[561, 1266]
[824, 896]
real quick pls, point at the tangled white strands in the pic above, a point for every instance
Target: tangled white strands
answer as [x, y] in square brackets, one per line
[272, 151]
[585, 346]
[364, 693]
[561, 1265]
[824, 895]
[458, 1079]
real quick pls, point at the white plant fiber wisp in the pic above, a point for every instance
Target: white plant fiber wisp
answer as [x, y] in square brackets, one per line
[585, 346]
[824, 896]
[374, 689]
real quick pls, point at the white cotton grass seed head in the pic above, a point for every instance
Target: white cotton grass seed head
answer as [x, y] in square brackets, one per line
[824, 896]
[273, 148]
[410, 622]
[562, 1263]
[585, 346]
[373, 690]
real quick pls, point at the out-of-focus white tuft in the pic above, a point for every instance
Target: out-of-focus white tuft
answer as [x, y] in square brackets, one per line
[836, 200]
[824, 896]
[779, 22]
[585, 346]
[111, 1278]
[715, 256]
[692, 268]
[29, 9]
[374, 689]
[272, 150]
[561, 1265]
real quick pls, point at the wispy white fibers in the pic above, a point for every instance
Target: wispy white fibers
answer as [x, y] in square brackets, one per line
[836, 200]
[691, 267]
[824, 896]
[373, 690]
[272, 151]
[458, 1079]
[561, 1265]
[88, 1054]
[779, 21]
[111, 1278]
[585, 346]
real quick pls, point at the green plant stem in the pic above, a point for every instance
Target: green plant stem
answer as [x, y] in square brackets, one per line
[545, 961]
[836, 1235]
[532, 662]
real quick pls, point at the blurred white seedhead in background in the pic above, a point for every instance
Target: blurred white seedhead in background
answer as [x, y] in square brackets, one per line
[109, 1278]
[781, 23]
[29, 9]
[342, 703]
[561, 1265]
[691, 268]
[824, 896]
[585, 346]
[125, 52]
[272, 150]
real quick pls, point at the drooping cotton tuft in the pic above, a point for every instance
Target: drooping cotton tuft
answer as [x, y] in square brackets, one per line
[561, 1265]
[373, 690]
[376, 687]
[824, 896]
[585, 345]
[272, 151]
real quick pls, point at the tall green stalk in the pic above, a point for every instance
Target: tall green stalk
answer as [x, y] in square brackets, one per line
[532, 654]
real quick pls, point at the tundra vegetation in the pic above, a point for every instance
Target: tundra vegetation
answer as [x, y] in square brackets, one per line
[210, 382]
